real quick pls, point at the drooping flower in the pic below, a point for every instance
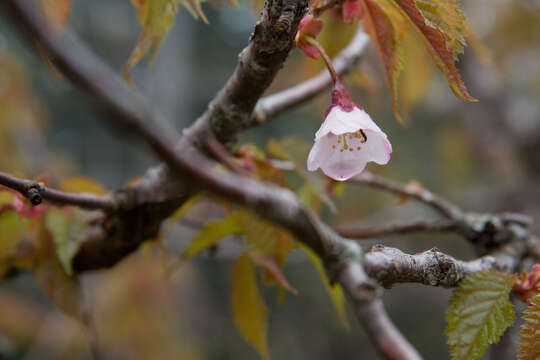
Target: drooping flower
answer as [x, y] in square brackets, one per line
[352, 11]
[309, 27]
[347, 140]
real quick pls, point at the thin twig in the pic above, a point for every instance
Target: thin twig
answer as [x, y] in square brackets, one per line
[36, 192]
[443, 206]
[275, 104]
[356, 232]
[221, 154]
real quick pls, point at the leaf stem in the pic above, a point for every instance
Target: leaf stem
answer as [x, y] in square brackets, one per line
[326, 58]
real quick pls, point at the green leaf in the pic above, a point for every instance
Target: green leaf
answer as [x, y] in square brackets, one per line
[211, 233]
[335, 291]
[249, 311]
[529, 341]
[479, 313]
[68, 229]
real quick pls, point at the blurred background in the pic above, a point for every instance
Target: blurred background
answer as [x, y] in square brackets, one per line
[483, 156]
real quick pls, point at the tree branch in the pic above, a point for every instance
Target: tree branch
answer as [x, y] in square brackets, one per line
[442, 206]
[390, 265]
[273, 105]
[390, 343]
[228, 113]
[36, 192]
[392, 229]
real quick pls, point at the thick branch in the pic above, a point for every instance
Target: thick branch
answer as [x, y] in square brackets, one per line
[36, 192]
[390, 265]
[273, 105]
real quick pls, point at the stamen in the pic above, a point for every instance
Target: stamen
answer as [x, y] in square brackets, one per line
[363, 136]
[345, 145]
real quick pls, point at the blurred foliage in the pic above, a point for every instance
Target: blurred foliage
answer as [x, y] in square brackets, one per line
[135, 310]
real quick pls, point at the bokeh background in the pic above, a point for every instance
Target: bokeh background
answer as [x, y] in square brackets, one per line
[483, 156]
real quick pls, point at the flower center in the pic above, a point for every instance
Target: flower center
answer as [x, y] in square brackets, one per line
[350, 141]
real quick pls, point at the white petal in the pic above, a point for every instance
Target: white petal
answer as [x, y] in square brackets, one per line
[377, 148]
[340, 161]
[340, 122]
[319, 152]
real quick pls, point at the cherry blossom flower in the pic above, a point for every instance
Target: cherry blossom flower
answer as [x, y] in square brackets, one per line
[347, 140]
[352, 11]
[308, 28]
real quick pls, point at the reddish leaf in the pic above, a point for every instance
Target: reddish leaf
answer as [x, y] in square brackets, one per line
[387, 27]
[445, 38]
[269, 263]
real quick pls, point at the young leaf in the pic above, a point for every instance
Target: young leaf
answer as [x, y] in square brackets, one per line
[249, 310]
[387, 27]
[478, 314]
[335, 291]
[181, 211]
[529, 342]
[442, 25]
[211, 233]
[273, 268]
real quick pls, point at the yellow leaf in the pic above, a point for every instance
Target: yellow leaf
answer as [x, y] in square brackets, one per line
[249, 311]
[387, 26]
[181, 211]
[417, 73]
[68, 231]
[211, 233]
[335, 291]
[80, 184]
[442, 25]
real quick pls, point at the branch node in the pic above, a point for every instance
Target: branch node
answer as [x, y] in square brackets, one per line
[33, 192]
